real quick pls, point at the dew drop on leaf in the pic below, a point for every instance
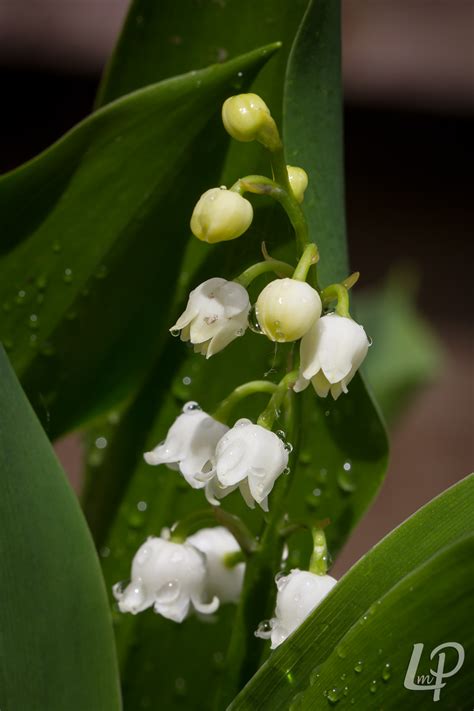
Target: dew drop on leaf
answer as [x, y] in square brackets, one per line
[180, 687]
[386, 671]
[358, 667]
[373, 686]
[334, 695]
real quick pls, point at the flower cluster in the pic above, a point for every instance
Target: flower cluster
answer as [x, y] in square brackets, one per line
[209, 455]
[178, 572]
[177, 578]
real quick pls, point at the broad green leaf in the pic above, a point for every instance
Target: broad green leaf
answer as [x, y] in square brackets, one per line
[293, 666]
[312, 115]
[381, 643]
[56, 641]
[172, 37]
[92, 234]
[408, 354]
[164, 38]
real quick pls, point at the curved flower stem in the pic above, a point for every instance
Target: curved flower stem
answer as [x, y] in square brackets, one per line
[279, 169]
[270, 265]
[209, 517]
[272, 410]
[318, 563]
[258, 594]
[309, 257]
[239, 530]
[190, 524]
[261, 185]
[222, 412]
[339, 292]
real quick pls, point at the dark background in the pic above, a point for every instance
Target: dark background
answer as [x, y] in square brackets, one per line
[409, 79]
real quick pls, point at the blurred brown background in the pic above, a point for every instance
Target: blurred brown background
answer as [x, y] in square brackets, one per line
[409, 80]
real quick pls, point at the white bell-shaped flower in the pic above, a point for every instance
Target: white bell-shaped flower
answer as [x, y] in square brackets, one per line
[190, 444]
[299, 593]
[221, 215]
[331, 352]
[221, 581]
[216, 314]
[287, 308]
[252, 458]
[171, 577]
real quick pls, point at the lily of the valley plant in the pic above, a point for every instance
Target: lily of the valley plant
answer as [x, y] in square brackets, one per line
[190, 569]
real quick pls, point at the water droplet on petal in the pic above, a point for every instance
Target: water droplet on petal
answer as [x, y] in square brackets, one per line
[175, 332]
[168, 592]
[191, 407]
[253, 321]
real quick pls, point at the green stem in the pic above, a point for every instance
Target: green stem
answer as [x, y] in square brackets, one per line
[318, 563]
[309, 257]
[223, 411]
[190, 524]
[258, 594]
[339, 292]
[239, 530]
[272, 410]
[270, 265]
[279, 169]
[209, 517]
[261, 185]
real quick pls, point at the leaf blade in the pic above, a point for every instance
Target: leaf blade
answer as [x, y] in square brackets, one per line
[56, 645]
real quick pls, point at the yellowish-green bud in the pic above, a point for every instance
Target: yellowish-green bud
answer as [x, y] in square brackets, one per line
[286, 309]
[298, 181]
[221, 215]
[246, 117]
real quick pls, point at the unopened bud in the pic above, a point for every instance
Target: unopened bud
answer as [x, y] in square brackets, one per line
[221, 215]
[298, 181]
[246, 117]
[286, 309]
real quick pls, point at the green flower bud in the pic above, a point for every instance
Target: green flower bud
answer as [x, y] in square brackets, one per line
[298, 181]
[246, 117]
[286, 309]
[221, 215]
